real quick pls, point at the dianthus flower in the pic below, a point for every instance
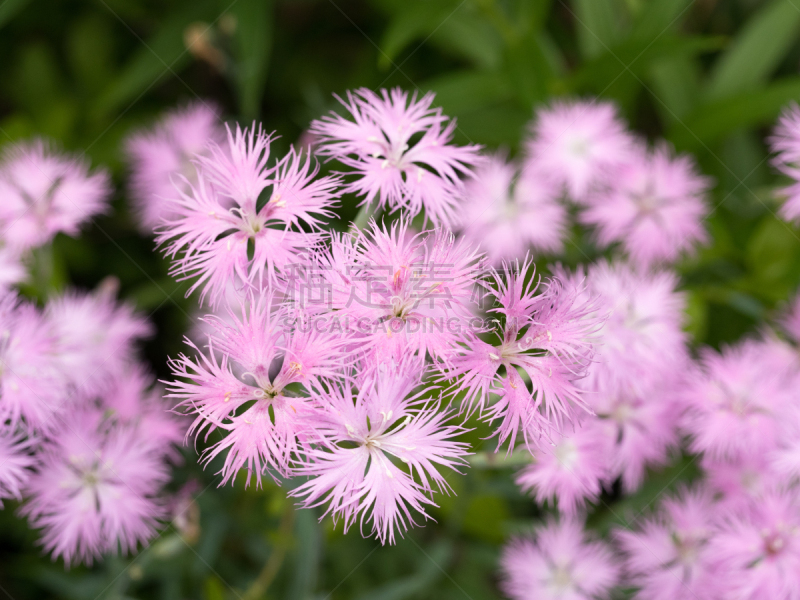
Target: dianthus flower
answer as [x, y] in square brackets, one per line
[95, 490]
[94, 336]
[400, 152]
[239, 388]
[397, 291]
[243, 220]
[558, 562]
[785, 143]
[654, 208]
[361, 432]
[571, 470]
[757, 551]
[506, 212]
[547, 336]
[669, 556]
[16, 461]
[577, 145]
[736, 405]
[32, 386]
[45, 193]
[160, 155]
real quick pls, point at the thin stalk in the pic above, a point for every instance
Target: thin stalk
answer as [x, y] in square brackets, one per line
[270, 569]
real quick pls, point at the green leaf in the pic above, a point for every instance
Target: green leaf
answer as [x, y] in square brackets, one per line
[160, 57]
[757, 50]
[465, 91]
[773, 254]
[659, 17]
[597, 25]
[253, 44]
[675, 82]
[709, 122]
[408, 25]
[9, 9]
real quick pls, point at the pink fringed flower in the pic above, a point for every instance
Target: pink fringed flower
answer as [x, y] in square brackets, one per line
[669, 557]
[243, 220]
[736, 406]
[757, 552]
[506, 212]
[547, 336]
[785, 143]
[654, 208]
[571, 471]
[45, 193]
[95, 491]
[240, 389]
[352, 468]
[162, 157]
[559, 562]
[94, 336]
[32, 386]
[16, 462]
[396, 291]
[399, 149]
[577, 145]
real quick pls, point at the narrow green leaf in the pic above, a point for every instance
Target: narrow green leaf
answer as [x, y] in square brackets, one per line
[159, 58]
[253, 45]
[675, 82]
[756, 51]
[597, 25]
[709, 122]
[407, 26]
[659, 17]
[465, 91]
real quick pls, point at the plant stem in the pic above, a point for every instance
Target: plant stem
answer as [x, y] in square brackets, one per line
[270, 569]
[365, 213]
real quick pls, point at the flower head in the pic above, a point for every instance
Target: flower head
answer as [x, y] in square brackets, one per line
[506, 212]
[400, 152]
[654, 208]
[160, 156]
[16, 462]
[45, 193]
[95, 490]
[577, 145]
[669, 556]
[785, 143]
[242, 220]
[558, 562]
[362, 434]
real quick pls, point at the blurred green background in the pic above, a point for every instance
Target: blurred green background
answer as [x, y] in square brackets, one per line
[710, 76]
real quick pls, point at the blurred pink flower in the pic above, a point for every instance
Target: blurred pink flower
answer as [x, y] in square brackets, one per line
[558, 562]
[45, 192]
[669, 556]
[654, 207]
[162, 157]
[577, 145]
[400, 152]
[507, 212]
[785, 143]
[16, 462]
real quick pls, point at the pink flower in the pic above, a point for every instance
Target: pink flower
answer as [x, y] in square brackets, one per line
[559, 562]
[547, 336]
[45, 193]
[400, 152]
[95, 490]
[12, 271]
[506, 212]
[654, 208]
[741, 481]
[263, 422]
[757, 552]
[577, 145]
[221, 230]
[94, 336]
[571, 470]
[352, 468]
[669, 557]
[162, 155]
[397, 291]
[32, 386]
[736, 405]
[785, 143]
[16, 462]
